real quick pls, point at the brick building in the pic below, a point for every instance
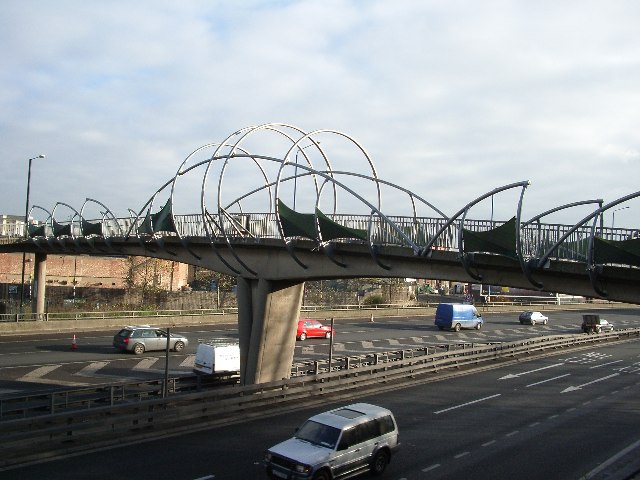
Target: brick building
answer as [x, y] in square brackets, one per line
[69, 274]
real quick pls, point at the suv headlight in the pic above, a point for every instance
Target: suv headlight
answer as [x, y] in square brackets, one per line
[303, 468]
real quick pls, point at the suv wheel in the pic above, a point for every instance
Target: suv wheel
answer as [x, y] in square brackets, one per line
[380, 462]
[138, 349]
[322, 475]
[178, 346]
[457, 327]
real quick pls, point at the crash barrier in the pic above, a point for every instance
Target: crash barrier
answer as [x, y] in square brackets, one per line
[31, 438]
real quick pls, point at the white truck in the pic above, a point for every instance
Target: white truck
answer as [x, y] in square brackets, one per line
[218, 355]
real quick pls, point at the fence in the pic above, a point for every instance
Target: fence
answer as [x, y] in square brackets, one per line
[31, 438]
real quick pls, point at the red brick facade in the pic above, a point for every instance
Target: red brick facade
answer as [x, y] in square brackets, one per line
[98, 272]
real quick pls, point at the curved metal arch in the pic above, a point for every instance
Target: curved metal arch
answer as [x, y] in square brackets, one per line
[531, 264]
[45, 238]
[466, 259]
[221, 212]
[545, 258]
[593, 269]
[53, 219]
[113, 217]
[463, 210]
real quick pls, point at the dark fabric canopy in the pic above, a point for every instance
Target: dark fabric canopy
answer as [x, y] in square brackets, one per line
[61, 230]
[297, 224]
[161, 221]
[90, 228]
[500, 240]
[332, 230]
[35, 231]
[625, 252]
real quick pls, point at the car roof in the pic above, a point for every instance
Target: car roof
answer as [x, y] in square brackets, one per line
[350, 415]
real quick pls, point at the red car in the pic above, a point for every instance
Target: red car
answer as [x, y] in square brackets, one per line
[308, 328]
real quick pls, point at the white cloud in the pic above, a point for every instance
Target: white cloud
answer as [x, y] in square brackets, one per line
[450, 99]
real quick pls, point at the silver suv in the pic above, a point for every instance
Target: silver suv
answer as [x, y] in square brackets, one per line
[340, 443]
[141, 338]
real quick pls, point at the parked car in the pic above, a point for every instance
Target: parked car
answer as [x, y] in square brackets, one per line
[340, 443]
[533, 317]
[308, 328]
[593, 323]
[142, 338]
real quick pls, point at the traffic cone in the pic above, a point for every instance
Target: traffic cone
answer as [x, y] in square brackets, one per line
[74, 345]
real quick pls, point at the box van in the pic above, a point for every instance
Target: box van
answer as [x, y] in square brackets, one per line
[456, 316]
[340, 443]
[214, 356]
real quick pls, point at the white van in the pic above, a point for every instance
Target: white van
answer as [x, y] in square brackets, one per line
[214, 356]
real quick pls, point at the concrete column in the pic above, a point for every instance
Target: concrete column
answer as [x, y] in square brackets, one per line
[39, 285]
[268, 314]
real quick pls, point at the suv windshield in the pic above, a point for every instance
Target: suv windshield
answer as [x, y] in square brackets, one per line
[318, 434]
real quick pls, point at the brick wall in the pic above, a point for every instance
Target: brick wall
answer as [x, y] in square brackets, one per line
[98, 272]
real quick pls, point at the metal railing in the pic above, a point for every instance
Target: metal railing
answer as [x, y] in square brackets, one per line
[535, 237]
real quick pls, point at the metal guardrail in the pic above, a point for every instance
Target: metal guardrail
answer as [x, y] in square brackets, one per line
[28, 438]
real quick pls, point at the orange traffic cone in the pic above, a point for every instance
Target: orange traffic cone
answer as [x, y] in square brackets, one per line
[74, 345]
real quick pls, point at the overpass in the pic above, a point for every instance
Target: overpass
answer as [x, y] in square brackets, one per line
[273, 251]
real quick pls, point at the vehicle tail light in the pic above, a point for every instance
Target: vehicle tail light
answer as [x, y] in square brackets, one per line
[125, 341]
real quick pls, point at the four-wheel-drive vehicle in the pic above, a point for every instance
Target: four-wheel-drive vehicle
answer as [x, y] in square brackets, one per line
[455, 316]
[593, 323]
[340, 443]
[532, 318]
[214, 356]
[141, 338]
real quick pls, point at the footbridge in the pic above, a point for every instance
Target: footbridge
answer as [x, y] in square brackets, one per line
[274, 209]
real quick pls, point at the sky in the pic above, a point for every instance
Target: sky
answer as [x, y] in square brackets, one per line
[447, 99]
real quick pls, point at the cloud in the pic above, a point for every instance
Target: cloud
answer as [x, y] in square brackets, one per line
[450, 100]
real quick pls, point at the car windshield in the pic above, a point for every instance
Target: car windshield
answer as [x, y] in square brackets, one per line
[318, 433]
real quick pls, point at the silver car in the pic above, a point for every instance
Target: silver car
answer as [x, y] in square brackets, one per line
[142, 338]
[533, 317]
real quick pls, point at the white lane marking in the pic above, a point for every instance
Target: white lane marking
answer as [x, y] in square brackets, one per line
[208, 477]
[529, 371]
[605, 364]
[466, 404]
[189, 361]
[534, 424]
[579, 387]
[432, 467]
[486, 444]
[547, 380]
[460, 455]
[511, 434]
[91, 369]
[145, 364]
[39, 372]
[612, 460]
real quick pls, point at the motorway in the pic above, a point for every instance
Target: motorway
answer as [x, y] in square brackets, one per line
[559, 417]
[31, 363]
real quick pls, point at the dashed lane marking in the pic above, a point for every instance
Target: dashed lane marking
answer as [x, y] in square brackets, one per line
[145, 364]
[91, 369]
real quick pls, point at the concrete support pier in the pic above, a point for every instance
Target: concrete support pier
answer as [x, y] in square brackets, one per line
[267, 320]
[39, 285]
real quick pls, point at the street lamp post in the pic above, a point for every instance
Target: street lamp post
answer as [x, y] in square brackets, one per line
[26, 227]
[613, 216]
